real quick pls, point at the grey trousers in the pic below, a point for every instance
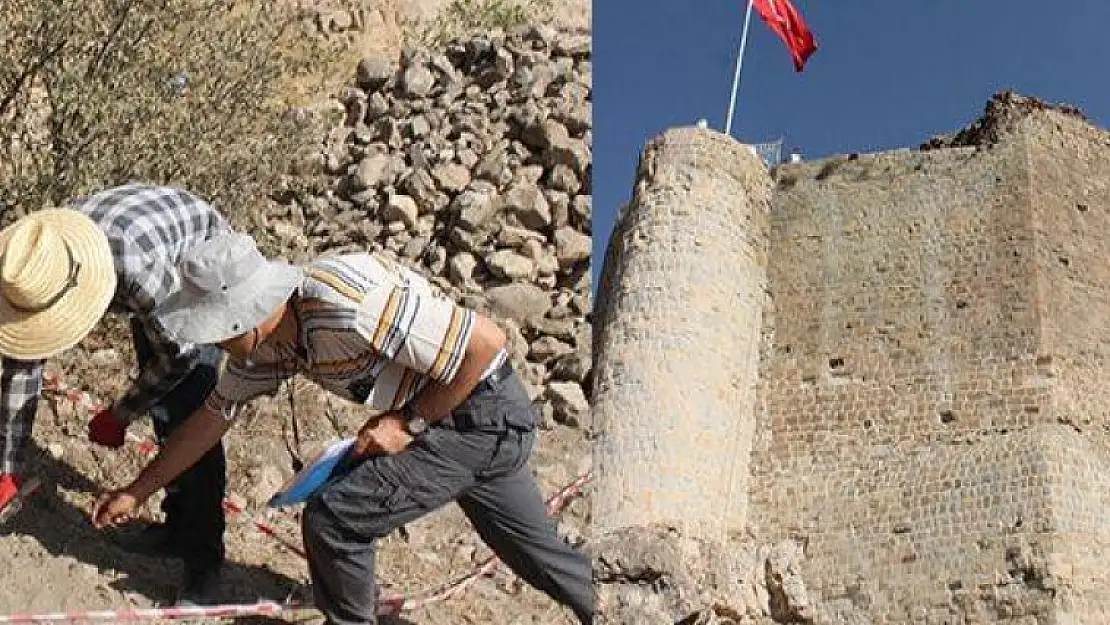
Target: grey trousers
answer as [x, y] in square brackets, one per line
[194, 499]
[476, 458]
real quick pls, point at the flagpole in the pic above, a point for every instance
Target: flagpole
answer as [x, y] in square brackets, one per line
[739, 64]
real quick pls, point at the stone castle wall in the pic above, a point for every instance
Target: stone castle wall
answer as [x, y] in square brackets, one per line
[931, 415]
[1069, 165]
[903, 371]
[932, 395]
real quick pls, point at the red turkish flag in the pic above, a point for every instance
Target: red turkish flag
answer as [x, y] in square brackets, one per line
[788, 24]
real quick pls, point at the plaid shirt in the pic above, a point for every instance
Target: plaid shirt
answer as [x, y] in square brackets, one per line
[148, 229]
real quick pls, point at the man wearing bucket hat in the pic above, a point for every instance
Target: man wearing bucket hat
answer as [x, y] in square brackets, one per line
[453, 421]
[60, 271]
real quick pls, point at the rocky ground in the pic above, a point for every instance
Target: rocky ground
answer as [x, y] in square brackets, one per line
[473, 165]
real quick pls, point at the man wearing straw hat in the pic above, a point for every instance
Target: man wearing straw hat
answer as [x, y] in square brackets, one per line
[453, 421]
[60, 271]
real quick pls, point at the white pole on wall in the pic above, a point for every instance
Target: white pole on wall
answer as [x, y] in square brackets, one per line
[739, 64]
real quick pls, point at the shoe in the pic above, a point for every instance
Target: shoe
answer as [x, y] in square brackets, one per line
[155, 540]
[202, 587]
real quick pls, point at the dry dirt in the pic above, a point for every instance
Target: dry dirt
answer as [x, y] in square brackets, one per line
[51, 558]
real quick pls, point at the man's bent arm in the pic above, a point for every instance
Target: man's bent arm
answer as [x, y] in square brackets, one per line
[437, 400]
[170, 363]
[20, 385]
[185, 446]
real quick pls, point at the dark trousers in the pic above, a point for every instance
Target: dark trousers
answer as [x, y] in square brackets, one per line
[476, 458]
[194, 501]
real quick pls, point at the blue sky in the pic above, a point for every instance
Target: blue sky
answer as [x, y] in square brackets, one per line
[886, 74]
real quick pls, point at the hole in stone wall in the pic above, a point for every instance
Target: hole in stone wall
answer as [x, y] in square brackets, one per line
[867, 423]
[961, 304]
[1064, 261]
[947, 416]
[1082, 207]
[836, 363]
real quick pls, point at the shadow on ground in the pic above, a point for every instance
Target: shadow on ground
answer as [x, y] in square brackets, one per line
[64, 530]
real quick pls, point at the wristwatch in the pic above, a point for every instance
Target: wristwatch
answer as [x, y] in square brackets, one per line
[414, 423]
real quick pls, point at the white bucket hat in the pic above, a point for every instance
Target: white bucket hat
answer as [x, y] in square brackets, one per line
[57, 279]
[227, 288]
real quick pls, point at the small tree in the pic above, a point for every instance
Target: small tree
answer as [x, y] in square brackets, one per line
[465, 17]
[96, 93]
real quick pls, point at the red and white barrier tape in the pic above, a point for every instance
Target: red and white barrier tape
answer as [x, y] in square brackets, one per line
[233, 508]
[53, 383]
[391, 605]
[397, 604]
[261, 608]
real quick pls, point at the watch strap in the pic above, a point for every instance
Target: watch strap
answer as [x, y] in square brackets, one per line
[413, 422]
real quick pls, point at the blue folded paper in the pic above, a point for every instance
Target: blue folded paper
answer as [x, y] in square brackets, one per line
[314, 475]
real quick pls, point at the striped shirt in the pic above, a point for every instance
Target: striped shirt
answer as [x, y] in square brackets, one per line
[370, 331]
[148, 229]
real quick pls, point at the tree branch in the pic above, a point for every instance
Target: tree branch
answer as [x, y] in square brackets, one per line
[29, 73]
[109, 39]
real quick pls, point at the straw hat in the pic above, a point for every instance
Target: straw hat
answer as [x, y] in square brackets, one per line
[228, 288]
[57, 278]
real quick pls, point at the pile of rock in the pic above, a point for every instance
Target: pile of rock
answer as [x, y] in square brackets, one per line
[473, 165]
[654, 575]
[1003, 112]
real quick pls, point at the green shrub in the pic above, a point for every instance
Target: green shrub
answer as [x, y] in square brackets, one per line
[466, 17]
[95, 93]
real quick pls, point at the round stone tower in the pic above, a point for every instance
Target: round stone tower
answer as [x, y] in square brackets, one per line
[677, 337]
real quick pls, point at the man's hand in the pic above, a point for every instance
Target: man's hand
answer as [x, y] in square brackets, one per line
[113, 508]
[105, 429]
[384, 434]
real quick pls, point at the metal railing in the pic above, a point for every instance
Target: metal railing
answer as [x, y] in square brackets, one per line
[770, 152]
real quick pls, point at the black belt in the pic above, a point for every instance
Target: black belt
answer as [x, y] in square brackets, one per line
[495, 377]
